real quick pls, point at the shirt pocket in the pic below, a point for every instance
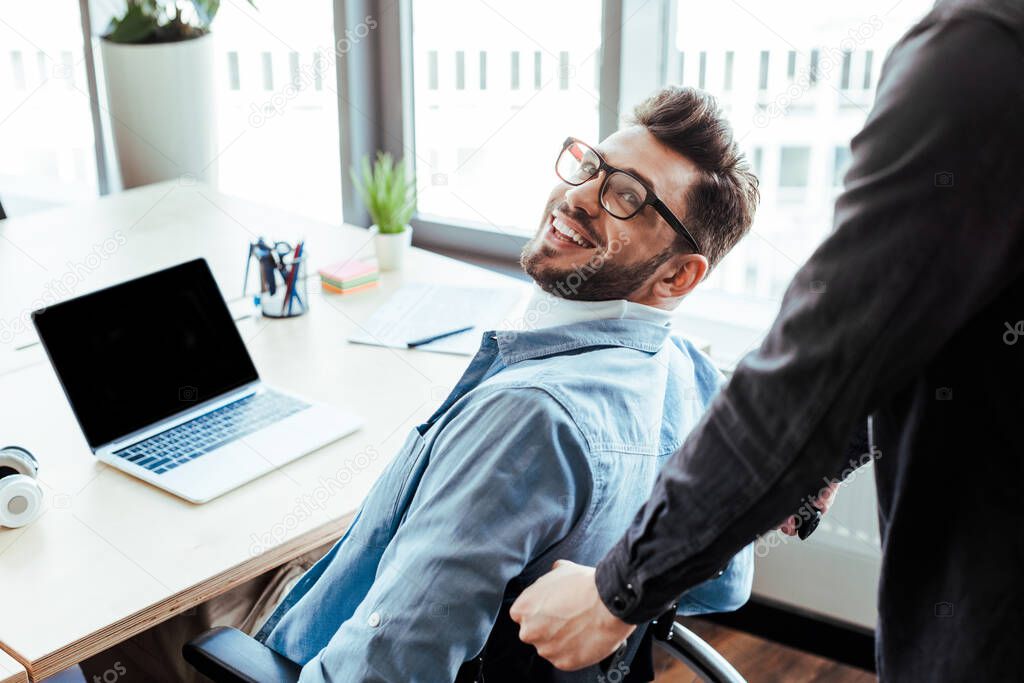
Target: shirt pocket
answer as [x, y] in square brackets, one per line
[391, 493]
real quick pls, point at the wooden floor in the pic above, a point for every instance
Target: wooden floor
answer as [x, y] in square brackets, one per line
[759, 660]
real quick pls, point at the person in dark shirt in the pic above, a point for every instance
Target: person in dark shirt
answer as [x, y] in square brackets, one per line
[912, 312]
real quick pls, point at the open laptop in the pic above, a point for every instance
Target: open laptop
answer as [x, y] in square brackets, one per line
[164, 388]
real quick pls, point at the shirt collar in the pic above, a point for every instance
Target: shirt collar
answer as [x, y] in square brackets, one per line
[546, 310]
[515, 346]
[556, 326]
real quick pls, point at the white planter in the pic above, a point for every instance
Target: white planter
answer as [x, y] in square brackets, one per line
[391, 247]
[161, 102]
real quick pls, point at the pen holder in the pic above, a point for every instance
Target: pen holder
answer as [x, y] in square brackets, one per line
[283, 291]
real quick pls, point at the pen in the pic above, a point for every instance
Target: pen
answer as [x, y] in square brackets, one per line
[300, 252]
[292, 291]
[248, 260]
[426, 340]
[289, 283]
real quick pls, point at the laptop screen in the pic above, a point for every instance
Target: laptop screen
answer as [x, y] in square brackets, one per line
[138, 352]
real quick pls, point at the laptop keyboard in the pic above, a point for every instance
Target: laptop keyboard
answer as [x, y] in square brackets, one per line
[192, 439]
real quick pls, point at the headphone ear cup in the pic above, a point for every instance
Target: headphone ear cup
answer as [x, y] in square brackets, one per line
[21, 500]
[18, 459]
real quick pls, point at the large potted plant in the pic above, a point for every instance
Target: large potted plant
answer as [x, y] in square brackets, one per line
[158, 68]
[390, 197]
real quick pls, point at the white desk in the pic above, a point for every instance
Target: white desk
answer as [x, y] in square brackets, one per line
[111, 556]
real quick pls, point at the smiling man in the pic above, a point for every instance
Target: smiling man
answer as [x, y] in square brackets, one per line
[555, 434]
[577, 257]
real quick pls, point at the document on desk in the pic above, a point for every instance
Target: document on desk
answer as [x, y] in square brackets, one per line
[420, 311]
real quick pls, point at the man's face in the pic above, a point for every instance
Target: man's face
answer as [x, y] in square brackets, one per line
[618, 259]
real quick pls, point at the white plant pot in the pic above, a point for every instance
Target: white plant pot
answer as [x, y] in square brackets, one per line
[391, 247]
[162, 113]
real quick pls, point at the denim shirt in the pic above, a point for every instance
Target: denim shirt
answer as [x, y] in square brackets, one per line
[545, 449]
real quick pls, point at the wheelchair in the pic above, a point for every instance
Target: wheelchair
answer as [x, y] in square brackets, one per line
[227, 655]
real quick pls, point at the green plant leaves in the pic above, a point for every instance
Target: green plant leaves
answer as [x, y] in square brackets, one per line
[388, 193]
[145, 21]
[136, 26]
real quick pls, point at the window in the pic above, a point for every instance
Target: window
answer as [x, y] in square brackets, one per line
[268, 71]
[317, 64]
[47, 154]
[868, 59]
[794, 164]
[489, 161]
[460, 70]
[840, 164]
[778, 74]
[293, 68]
[483, 71]
[234, 74]
[278, 132]
[750, 275]
[18, 69]
[432, 66]
[844, 78]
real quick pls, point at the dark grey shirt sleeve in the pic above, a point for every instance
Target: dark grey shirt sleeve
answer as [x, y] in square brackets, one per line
[926, 231]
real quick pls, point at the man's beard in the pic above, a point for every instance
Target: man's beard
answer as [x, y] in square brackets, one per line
[598, 279]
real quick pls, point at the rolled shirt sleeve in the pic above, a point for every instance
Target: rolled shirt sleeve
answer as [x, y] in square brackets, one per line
[923, 238]
[507, 478]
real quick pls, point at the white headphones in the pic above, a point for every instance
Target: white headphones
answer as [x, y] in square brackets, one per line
[21, 497]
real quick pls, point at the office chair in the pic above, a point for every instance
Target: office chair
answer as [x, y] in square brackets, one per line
[227, 655]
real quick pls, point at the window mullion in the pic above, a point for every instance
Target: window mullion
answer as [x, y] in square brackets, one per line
[611, 67]
[102, 182]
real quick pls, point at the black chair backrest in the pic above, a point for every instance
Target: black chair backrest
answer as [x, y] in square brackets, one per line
[227, 655]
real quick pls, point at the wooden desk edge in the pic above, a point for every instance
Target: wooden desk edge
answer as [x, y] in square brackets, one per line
[11, 669]
[157, 613]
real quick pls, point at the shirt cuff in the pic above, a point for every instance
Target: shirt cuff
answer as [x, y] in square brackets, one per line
[618, 592]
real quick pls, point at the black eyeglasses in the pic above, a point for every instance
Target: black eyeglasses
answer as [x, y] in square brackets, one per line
[622, 194]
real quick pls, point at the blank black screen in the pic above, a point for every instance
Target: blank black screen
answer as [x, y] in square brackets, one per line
[141, 351]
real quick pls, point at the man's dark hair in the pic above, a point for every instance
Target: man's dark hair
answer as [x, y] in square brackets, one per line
[720, 205]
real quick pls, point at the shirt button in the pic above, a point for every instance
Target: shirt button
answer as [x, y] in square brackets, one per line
[374, 620]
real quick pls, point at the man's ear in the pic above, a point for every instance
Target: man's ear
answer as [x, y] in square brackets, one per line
[679, 275]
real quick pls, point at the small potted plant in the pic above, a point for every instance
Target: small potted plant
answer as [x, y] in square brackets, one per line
[390, 197]
[158, 66]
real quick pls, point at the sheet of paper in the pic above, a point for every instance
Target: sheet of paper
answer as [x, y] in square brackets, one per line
[417, 311]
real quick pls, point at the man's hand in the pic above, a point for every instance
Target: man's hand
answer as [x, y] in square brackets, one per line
[791, 525]
[562, 615]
